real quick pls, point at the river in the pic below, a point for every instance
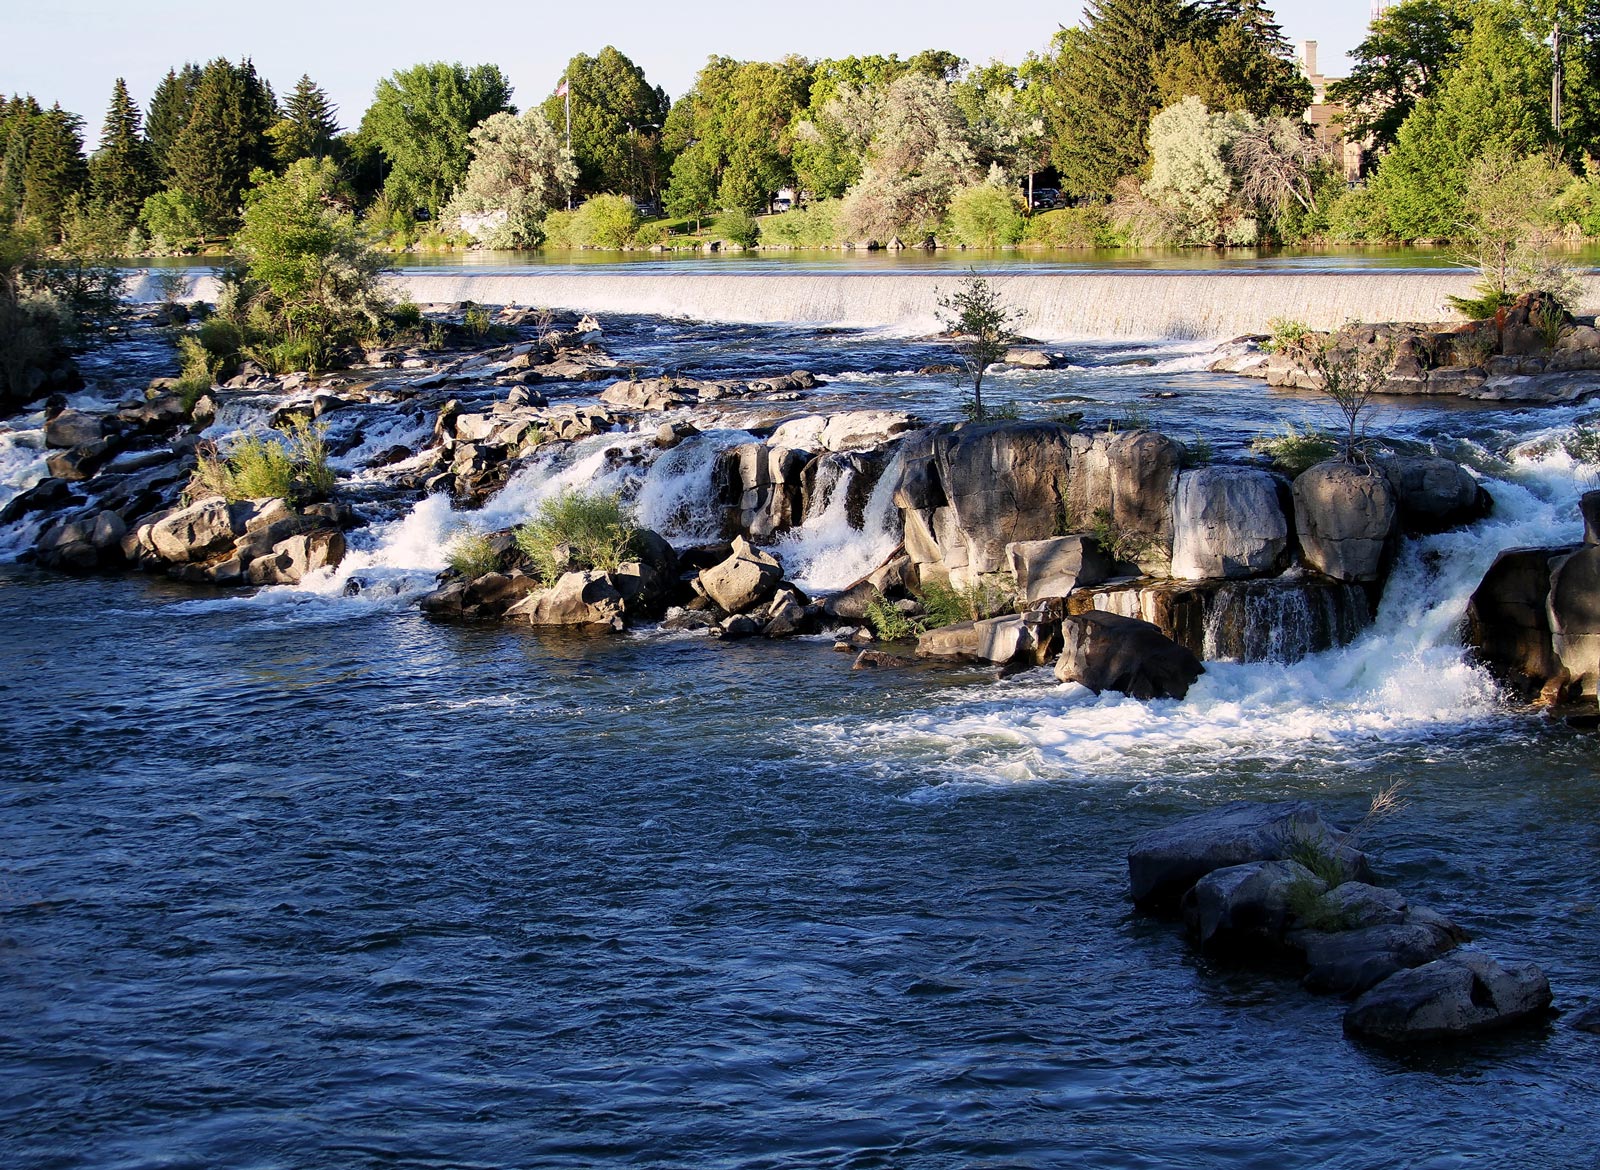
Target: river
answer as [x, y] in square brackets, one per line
[301, 878]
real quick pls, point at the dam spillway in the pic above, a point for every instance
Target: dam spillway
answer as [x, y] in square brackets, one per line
[1053, 306]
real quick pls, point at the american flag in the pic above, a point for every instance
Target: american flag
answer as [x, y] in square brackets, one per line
[561, 90]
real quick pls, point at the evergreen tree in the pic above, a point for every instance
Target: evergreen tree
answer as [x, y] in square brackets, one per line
[1495, 98]
[17, 118]
[55, 169]
[1103, 89]
[170, 107]
[422, 118]
[121, 175]
[308, 128]
[225, 141]
[1236, 58]
[617, 117]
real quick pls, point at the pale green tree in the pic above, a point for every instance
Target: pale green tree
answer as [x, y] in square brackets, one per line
[919, 157]
[520, 169]
[1189, 147]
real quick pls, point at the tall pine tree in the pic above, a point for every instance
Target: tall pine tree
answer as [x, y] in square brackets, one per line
[170, 107]
[1235, 58]
[121, 176]
[1103, 89]
[17, 118]
[308, 128]
[226, 139]
[55, 170]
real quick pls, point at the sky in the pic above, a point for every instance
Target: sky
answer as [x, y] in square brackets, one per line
[71, 51]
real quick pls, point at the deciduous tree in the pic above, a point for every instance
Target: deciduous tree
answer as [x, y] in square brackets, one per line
[422, 120]
[617, 116]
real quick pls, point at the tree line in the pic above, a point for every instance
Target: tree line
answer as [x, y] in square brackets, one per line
[1160, 121]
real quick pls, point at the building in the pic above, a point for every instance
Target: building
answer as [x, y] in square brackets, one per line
[1326, 118]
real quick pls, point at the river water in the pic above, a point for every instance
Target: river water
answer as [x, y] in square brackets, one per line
[305, 879]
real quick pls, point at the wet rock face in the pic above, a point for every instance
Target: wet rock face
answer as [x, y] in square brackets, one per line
[762, 487]
[1346, 517]
[1433, 494]
[969, 493]
[1107, 652]
[1227, 522]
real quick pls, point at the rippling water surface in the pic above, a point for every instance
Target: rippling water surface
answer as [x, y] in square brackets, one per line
[304, 880]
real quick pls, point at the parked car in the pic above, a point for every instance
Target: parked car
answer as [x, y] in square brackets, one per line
[649, 209]
[1044, 198]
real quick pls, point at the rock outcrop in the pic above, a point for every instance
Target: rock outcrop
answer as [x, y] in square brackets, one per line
[1345, 515]
[1107, 652]
[1228, 522]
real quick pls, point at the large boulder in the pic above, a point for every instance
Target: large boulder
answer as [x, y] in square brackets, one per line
[294, 557]
[195, 533]
[746, 579]
[1508, 618]
[1107, 652]
[1461, 994]
[76, 428]
[1128, 478]
[1227, 522]
[576, 599]
[1002, 640]
[1434, 494]
[1347, 962]
[847, 430]
[1589, 506]
[971, 492]
[1164, 864]
[1574, 615]
[1055, 567]
[1248, 907]
[1345, 515]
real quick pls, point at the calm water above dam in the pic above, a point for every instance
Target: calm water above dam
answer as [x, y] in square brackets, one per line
[302, 879]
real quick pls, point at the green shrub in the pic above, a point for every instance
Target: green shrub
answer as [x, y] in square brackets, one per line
[737, 227]
[558, 229]
[476, 319]
[1293, 451]
[472, 554]
[1550, 320]
[294, 468]
[197, 374]
[986, 216]
[1119, 543]
[889, 623]
[805, 227]
[577, 531]
[606, 221]
[1073, 227]
[1485, 302]
[650, 234]
[1286, 336]
[944, 605]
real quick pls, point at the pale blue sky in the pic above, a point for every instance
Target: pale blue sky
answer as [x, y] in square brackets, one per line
[71, 50]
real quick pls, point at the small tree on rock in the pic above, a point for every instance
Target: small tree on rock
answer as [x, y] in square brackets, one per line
[1352, 376]
[982, 321]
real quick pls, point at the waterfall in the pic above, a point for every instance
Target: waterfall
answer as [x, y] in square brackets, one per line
[1273, 621]
[1054, 306]
[827, 550]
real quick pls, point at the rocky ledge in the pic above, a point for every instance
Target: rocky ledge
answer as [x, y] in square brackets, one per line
[1534, 351]
[1276, 883]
